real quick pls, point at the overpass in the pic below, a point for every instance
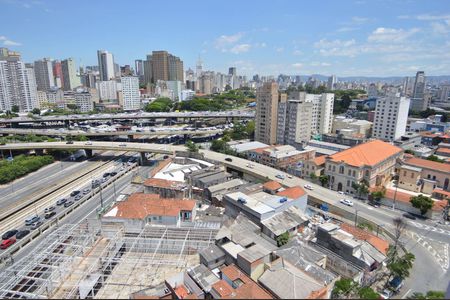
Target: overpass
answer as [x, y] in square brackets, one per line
[317, 196]
[53, 132]
[232, 114]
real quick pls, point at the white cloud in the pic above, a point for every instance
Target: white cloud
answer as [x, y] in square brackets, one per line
[279, 49]
[324, 43]
[320, 64]
[391, 35]
[346, 29]
[297, 52]
[8, 42]
[429, 17]
[241, 48]
[297, 65]
[11, 43]
[359, 20]
[226, 40]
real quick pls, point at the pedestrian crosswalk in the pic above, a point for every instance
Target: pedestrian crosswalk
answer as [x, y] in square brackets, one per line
[430, 228]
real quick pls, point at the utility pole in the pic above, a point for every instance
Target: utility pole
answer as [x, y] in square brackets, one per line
[356, 217]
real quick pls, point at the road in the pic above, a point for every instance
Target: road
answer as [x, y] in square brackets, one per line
[243, 114]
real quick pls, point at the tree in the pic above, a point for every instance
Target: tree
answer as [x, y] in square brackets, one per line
[409, 151]
[428, 295]
[191, 146]
[368, 293]
[399, 266]
[421, 202]
[163, 104]
[72, 106]
[399, 228]
[283, 239]
[361, 188]
[435, 158]
[250, 129]
[36, 111]
[313, 176]
[15, 108]
[323, 180]
[343, 288]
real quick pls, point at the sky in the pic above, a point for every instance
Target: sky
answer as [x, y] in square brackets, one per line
[345, 37]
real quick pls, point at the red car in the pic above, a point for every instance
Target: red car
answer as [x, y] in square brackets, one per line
[6, 243]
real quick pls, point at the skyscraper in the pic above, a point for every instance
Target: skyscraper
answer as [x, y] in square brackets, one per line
[391, 114]
[17, 83]
[267, 98]
[419, 85]
[331, 82]
[69, 71]
[163, 66]
[57, 73]
[105, 65]
[294, 122]
[232, 71]
[130, 91]
[444, 91]
[43, 71]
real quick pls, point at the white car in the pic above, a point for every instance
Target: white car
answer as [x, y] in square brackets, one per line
[346, 202]
[308, 187]
[279, 176]
[289, 176]
[341, 193]
[88, 143]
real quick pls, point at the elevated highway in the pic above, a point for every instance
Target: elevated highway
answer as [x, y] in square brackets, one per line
[53, 132]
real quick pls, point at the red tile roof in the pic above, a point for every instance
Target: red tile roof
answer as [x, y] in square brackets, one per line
[320, 160]
[272, 185]
[140, 205]
[248, 290]
[292, 192]
[369, 154]
[427, 164]
[380, 244]
[443, 150]
[442, 192]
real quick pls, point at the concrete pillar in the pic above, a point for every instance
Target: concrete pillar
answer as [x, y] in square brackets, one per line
[88, 153]
[39, 151]
[143, 161]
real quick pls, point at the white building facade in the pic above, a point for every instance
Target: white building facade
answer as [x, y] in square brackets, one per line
[130, 92]
[391, 115]
[107, 90]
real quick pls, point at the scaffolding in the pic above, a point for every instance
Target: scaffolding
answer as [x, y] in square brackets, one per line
[94, 261]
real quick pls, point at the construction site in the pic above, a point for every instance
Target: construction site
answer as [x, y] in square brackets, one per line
[91, 260]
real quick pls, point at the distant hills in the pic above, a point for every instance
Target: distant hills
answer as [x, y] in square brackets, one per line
[392, 79]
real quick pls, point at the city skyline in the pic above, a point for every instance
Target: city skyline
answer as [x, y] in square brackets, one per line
[392, 38]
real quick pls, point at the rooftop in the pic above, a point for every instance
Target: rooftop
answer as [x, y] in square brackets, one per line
[284, 221]
[164, 183]
[380, 244]
[226, 185]
[320, 160]
[140, 205]
[248, 146]
[272, 185]
[367, 154]
[427, 164]
[292, 192]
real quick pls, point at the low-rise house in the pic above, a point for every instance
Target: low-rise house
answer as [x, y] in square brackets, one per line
[281, 157]
[212, 257]
[315, 166]
[223, 188]
[234, 284]
[166, 188]
[421, 175]
[252, 260]
[141, 209]
[288, 221]
[373, 162]
[204, 277]
[208, 177]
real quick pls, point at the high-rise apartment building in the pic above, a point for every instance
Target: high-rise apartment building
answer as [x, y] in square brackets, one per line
[232, 71]
[160, 65]
[69, 71]
[83, 100]
[294, 123]
[267, 99]
[372, 91]
[43, 71]
[106, 65]
[130, 92]
[391, 115]
[322, 110]
[57, 73]
[418, 101]
[107, 90]
[55, 96]
[444, 91]
[17, 83]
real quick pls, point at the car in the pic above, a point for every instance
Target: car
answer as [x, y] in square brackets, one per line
[49, 214]
[386, 294]
[341, 193]
[9, 234]
[69, 142]
[409, 216]
[77, 197]
[88, 143]
[122, 145]
[74, 193]
[22, 234]
[289, 176]
[32, 220]
[165, 156]
[396, 284]
[36, 225]
[6, 243]
[113, 173]
[104, 179]
[308, 187]
[346, 202]
[249, 166]
[106, 175]
[228, 159]
[86, 191]
[68, 203]
[49, 209]
[279, 176]
[61, 201]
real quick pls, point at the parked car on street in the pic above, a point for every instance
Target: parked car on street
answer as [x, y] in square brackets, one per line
[9, 234]
[346, 202]
[22, 233]
[6, 243]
